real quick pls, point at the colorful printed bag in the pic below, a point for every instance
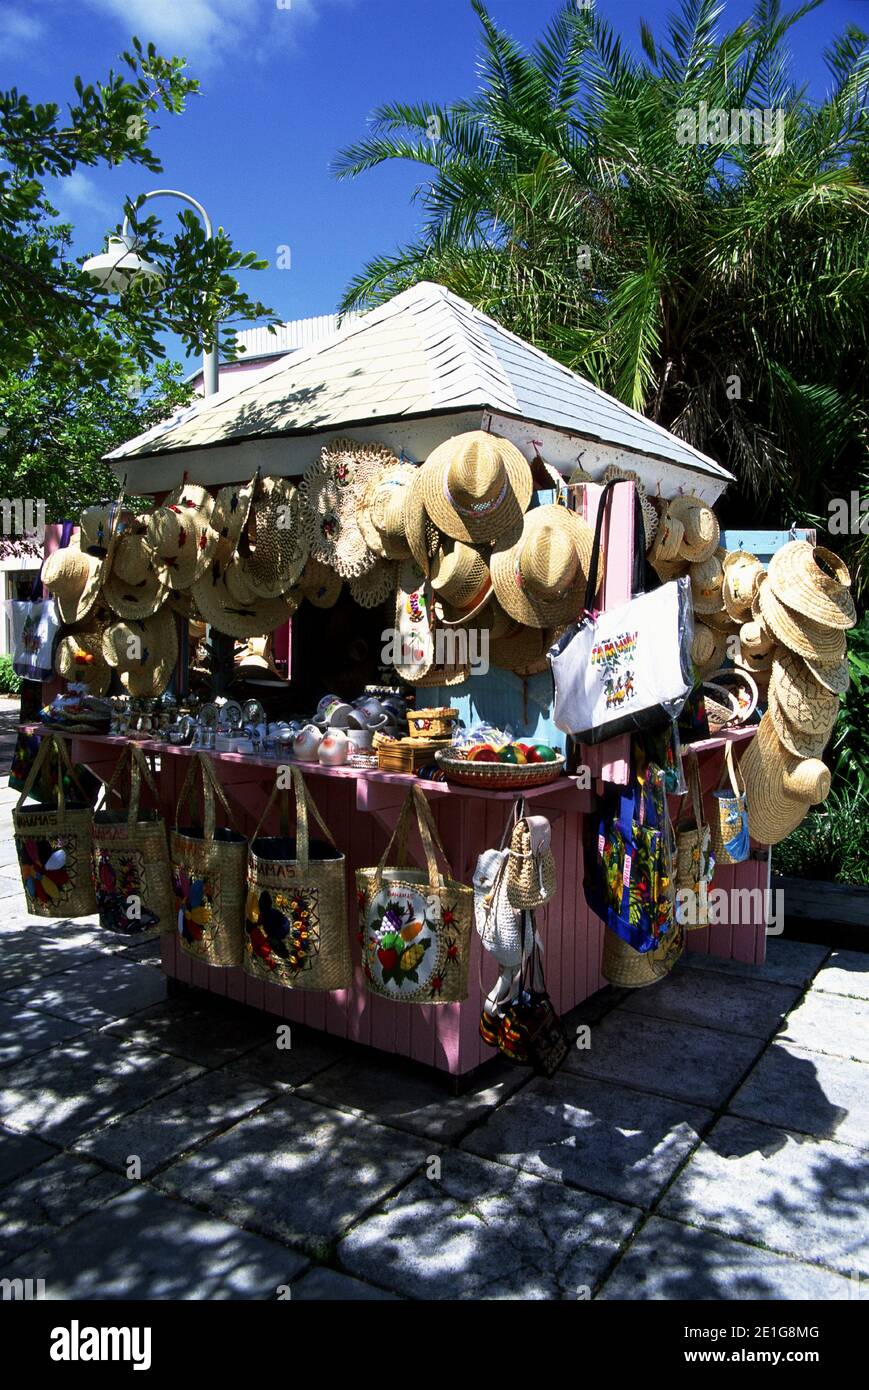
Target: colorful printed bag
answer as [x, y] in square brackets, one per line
[53, 842]
[132, 874]
[415, 924]
[628, 877]
[209, 874]
[35, 625]
[730, 839]
[296, 932]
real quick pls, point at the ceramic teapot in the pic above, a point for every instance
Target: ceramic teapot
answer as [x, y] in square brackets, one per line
[306, 743]
[334, 749]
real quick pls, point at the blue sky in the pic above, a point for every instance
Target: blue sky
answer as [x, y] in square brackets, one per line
[286, 83]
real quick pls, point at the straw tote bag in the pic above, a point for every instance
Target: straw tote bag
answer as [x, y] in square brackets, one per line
[415, 923]
[630, 969]
[209, 873]
[695, 863]
[730, 839]
[132, 875]
[53, 842]
[296, 932]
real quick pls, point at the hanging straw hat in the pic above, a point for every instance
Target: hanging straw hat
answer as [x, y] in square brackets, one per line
[257, 657]
[273, 548]
[423, 537]
[180, 537]
[134, 587]
[319, 584]
[79, 657]
[98, 524]
[742, 574]
[381, 511]
[331, 491]
[237, 584]
[231, 512]
[779, 787]
[75, 579]
[414, 624]
[667, 545]
[461, 582]
[540, 579]
[144, 651]
[476, 486]
[833, 675]
[524, 650]
[814, 582]
[629, 969]
[702, 532]
[375, 586]
[803, 711]
[708, 649]
[707, 577]
[236, 618]
[755, 639]
[759, 666]
[812, 641]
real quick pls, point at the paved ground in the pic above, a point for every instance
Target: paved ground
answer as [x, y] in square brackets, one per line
[711, 1143]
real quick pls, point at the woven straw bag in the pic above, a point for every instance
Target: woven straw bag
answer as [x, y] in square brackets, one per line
[730, 838]
[630, 969]
[209, 875]
[53, 843]
[695, 863]
[531, 875]
[296, 931]
[132, 875]
[415, 923]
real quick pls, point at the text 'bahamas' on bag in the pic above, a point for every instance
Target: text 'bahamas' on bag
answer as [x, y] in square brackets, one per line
[132, 874]
[209, 875]
[53, 843]
[296, 930]
[415, 924]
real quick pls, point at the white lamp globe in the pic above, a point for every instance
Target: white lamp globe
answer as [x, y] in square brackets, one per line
[119, 265]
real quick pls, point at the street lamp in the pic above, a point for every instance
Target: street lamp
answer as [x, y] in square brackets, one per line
[120, 264]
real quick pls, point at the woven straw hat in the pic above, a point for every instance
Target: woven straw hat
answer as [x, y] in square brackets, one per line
[524, 650]
[540, 580]
[755, 639]
[331, 491]
[476, 486]
[319, 584]
[231, 512]
[702, 532]
[134, 587]
[667, 545]
[144, 651]
[423, 537]
[98, 524]
[742, 574]
[779, 787]
[180, 537]
[707, 577]
[802, 710]
[461, 581]
[79, 657]
[833, 675]
[237, 584]
[75, 579]
[375, 586]
[273, 548]
[381, 511]
[814, 582]
[812, 641]
[237, 619]
[669, 569]
[757, 665]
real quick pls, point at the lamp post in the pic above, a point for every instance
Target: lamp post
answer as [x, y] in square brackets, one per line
[121, 263]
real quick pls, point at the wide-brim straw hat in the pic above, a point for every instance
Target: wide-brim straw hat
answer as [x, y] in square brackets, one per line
[423, 537]
[814, 582]
[75, 579]
[707, 577]
[79, 657]
[742, 574]
[180, 536]
[708, 649]
[757, 665]
[381, 511]
[629, 969]
[375, 586]
[274, 546]
[331, 491]
[667, 545]
[524, 650]
[541, 578]
[99, 524]
[780, 788]
[319, 584]
[755, 638]
[476, 487]
[802, 710]
[701, 529]
[812, 641]
[257, 658]
[144, 652]
[134, 587]
[461, 583]
[237, 619]
[231, 512]
[832, 675]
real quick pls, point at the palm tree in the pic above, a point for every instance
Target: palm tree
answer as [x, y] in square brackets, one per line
[720, 287]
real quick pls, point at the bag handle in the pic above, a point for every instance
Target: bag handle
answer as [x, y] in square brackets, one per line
[415, 801]
[695, 790]
[139, 768]
[728, 769]
[49, 742]
[210, 785]
[304, 803]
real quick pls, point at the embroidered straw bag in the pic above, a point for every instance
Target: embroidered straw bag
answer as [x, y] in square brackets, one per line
[209, 872]
[695, 863]
[53, 843]
[730, 838]
[415, 923]
[132, 875]
[296, 917]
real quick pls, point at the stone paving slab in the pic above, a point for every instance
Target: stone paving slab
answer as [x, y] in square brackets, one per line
[143, 1245]
[51, 1196]
[167, 1127]
[787, 962]
[809, 1093]
[24, 1032]
[208, 1034]
[19, 1153]
[485, 1231]
[393, 1096]
[30, 952]
[71, 1090]
[99, 992]
[846, 972]
[297, 1171]
[831, 1023]
[326, 1284]
[593, 1134]
[669, 1261]
[799, 1196]
[286, 1068]
[702, 997]
[671, 1059]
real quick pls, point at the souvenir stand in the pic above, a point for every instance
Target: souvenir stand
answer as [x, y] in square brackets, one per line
[411, 375]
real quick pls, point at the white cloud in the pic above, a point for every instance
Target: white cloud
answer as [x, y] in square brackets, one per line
[19, 32]
[78, 190]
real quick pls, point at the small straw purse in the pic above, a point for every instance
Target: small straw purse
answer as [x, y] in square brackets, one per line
[531, 874]
[730, 838]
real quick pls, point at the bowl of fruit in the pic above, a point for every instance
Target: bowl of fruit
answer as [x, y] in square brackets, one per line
[501, 767]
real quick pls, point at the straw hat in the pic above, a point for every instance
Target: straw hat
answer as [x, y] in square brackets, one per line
[423, 537]
[231, 512]
[381, 511]
[814, 582]
[134, 588]
[708, 649]
[524, 650]
[98, 524]
[257, 657]
[239, 619]
[413, 623]
[742, 573]
[331, 491]
[144, 651]
[669, 569]
[273, 548]
[319, 584]
[802, 710]
[237, 584]
[461, 581]
[813, 641]
[75, 579]
[707, 577]
[757, 665]
[179, 535]
[779, 787]
[476, 486]
[613, 474]
[79, 657]
[667, 545]
[702, 532]
[541, 578]
[375, 586]
[755, 639]
[833, 675]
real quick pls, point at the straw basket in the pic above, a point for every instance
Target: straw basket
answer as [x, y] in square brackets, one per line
[54, 844]
[132, 876]
[407, 754]
[432, 723]
[498, 776]
[209, 873]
